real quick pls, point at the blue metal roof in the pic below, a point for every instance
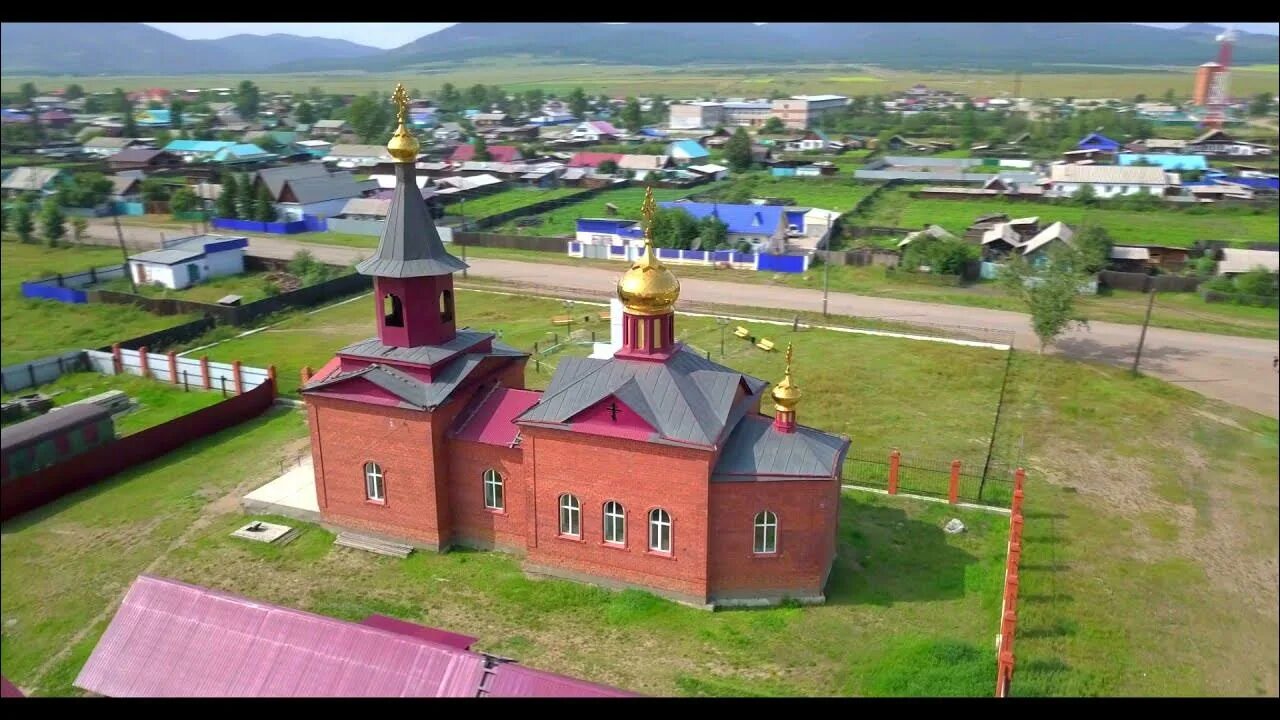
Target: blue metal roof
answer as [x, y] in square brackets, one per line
[1256, 183]
[239, 152]
[1168, 162]
[624, 228]
[741, 219]
[198, 146]
[1097, 141]
[687, 148]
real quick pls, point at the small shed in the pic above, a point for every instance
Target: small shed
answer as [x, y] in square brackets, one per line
[184, 262]
[47, 440]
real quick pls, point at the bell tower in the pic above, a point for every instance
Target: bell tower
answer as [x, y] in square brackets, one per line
[412, 272]
[648, 292]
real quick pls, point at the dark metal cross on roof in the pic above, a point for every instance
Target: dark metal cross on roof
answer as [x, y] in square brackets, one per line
[613, 411]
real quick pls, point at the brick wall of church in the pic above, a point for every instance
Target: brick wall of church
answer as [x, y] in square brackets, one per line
[473, 524]
[639, 475]
[808, 513]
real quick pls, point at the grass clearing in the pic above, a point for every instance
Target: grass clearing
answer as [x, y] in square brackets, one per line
[1180, 228]
[562, 221]
[507, 200]
[155, 402]
[35, 328]
[839, 194]
[251, 287]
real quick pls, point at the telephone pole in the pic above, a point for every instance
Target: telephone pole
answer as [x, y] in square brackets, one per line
[115, 217]
[1151, 290]
[826, 275]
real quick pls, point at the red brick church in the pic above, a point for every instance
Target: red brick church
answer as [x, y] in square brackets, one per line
[653, 468]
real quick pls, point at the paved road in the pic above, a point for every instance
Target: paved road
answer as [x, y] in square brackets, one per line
[1234, 369]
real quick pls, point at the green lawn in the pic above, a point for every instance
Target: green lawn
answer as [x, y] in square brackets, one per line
[155, 402]
[35, 328]
[250, 286]
[1178, 228]
[1149, 561]
[839, 194]
[562, 222]
[504, 200]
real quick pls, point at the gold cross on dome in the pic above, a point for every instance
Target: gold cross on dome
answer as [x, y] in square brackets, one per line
[788, 358]
[648, 210]
[401, 99]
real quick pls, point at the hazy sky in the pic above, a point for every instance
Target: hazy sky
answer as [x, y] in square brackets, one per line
[389, 35]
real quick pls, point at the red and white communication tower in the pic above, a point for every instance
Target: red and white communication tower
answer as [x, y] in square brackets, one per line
[1218, 98]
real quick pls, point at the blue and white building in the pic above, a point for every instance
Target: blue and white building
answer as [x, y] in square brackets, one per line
[183, 262]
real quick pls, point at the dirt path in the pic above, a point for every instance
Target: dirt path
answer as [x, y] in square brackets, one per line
[1233, 369]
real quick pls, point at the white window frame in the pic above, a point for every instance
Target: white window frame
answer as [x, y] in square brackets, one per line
[375, 486]
[614, 514]
[660, 526]
[493, 490]
[761, 538]
[571, 509]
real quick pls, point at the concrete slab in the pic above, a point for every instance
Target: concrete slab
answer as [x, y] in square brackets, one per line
[293, 494]
[262, 532]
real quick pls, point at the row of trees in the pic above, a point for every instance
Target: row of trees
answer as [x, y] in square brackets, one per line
[240, 201]
[674, 228]
[48, 215]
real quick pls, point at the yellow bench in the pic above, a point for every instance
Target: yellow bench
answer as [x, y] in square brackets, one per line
[561, 320]
[765, 344]
[742, 332]
[604, 315]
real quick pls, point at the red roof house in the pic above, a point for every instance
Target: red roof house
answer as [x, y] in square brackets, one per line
[497, 153]
[592, 159]
[171, 639]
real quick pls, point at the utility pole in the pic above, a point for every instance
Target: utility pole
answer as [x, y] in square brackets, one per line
[1146, 321]
[462, 229]
[826, 275]
[115, 217]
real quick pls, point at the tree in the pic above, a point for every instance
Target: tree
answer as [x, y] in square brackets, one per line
[713, 234]
[477, 96]
[184, 200]
[94, 105]
[450, 99]
[369, 118]
[53, 222]
[1049, 291]
[175, 114]
[162, 137]
[482, 150]
[1170, 97]
[120, 101]
[1085, 195]
[74, 91]
[247, 99]
[773, 126]
[1260, 104]
[4, 218]
[631, 115]
[246, 198]
[305, 113]
[1094, 244]
[226, 204]
[22, 222]
[1139, 98]
[27, 92]
[607, 167]
[130, 125]
[86, 190]
[578, 103]
[79, 226]
[263, 209]
[154, 190]
[737, 152]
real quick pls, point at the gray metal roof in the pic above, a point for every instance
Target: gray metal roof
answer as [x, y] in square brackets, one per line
[754, 450]
[324, 187]
[373, 348]
[275, 178]
[418, 393]
[51, 423]
[685, 399]
[167, 257]
[410, 245]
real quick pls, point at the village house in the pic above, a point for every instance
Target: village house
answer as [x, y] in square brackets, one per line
[595, 131]
[1167, 161]
[349, 156]
[319, 196]
[447, 131]
[329, 129]
[148, 160]
[42, 180]
[800, 112]
[1219, 144]
[1235, 261]
[1111, 180]
[764, 227]
[488, 120]
[126, 186]
[687, 152]
[497, 153]
[103, 146]
[183, 262]
[195, 151]
[1099, 143]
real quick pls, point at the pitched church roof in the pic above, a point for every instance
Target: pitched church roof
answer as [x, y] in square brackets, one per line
[755, 449]
[687, 398]
[410, 245]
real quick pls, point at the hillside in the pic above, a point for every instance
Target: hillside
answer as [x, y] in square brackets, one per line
[266, 51]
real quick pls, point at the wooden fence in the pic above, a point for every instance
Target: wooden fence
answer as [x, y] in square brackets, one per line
[520, 242]
[1141, 282]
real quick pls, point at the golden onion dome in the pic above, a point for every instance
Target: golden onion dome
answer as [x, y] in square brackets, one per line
[649, 287]
[403, 145]
[786, 394]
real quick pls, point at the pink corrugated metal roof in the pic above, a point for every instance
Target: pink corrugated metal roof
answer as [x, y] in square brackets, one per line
[8, 689]
[491, 422]
[444, 637]
[512, 680]
[171, 639]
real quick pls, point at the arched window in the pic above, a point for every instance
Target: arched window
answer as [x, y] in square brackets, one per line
[446, 306]
[373, 485]
[392, 311]
[659, 530]
[615, 523]
[570, 516]
[766, 533]
[493, 490]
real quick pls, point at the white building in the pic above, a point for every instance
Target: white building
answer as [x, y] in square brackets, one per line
[799, 112]
[1111, 180]
[183, 262]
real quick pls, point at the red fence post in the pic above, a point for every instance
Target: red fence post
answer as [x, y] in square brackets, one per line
[143, 360]
[117, 359]
[239, 381]
[895, 457]
[271, 375]
[1016, 507]
[1018, 477]
[306, 374]
[204, 372]
[953, 493]
[173, 367]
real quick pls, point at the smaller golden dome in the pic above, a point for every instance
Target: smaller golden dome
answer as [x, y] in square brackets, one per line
[786, 394]
[649, 287]
[403, 146]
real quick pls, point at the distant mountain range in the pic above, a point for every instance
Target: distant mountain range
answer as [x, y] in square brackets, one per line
[137, 49]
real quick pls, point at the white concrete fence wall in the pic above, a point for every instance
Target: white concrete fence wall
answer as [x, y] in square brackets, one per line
[158, 368]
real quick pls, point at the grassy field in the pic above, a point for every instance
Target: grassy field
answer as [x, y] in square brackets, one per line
[249, 286]
[562, 221]
[1178, 228]
[518, 74]
[155, 402]
[1149, 565]
[962, 430]
[35, 328]
[839, 194]
[505, 200]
